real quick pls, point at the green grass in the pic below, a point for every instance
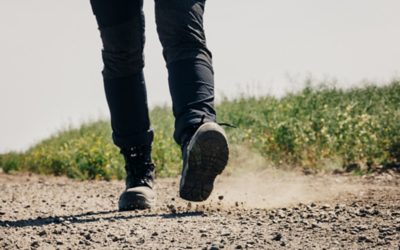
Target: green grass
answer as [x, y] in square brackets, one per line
[313, 129]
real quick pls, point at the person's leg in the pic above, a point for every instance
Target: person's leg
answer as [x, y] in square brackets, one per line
[189, 62]
[121, 25]
[191, 81]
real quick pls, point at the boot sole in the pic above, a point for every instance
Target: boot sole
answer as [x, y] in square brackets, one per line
[207, 155]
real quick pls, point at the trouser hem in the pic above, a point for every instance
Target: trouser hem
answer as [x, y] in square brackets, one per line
[189, 120]
[139, 139]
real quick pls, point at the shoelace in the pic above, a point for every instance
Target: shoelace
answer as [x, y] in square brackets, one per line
[136, 162]
[219, 123]
[194, 127]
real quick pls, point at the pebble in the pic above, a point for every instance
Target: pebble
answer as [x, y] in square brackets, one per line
[363, 238]
[42, 233]
[88, 236]
[59, 219]
[35, 244]
[225, 233]
[277, 237]
[325, 206]
[172, 209]
[281, 214]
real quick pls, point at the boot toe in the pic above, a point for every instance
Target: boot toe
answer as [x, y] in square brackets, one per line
[136, 198]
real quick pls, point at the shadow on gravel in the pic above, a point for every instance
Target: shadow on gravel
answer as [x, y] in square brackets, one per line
[89, 217]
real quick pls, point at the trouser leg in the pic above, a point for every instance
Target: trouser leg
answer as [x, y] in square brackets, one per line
[121, 25]
[189, 62]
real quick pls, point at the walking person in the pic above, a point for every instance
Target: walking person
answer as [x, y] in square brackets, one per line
[191, 83]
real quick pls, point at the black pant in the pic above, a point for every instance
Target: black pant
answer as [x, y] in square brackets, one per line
[189, 64]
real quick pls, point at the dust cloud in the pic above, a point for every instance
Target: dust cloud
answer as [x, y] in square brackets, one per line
[250, 182]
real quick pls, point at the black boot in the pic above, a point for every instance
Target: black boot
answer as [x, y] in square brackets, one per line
[205, 154]
[139, 193]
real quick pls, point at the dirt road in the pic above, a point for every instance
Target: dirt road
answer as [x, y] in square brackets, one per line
[265, 210]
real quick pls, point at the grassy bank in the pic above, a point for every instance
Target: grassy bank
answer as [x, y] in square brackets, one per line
[316, 129]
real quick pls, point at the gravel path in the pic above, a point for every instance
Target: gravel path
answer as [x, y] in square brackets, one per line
[261, 211]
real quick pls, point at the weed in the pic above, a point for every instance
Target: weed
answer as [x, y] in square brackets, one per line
[308, 129]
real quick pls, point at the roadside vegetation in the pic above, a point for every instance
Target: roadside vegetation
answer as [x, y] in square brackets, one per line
[316, 129]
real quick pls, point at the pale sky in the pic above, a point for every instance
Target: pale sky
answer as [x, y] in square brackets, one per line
[50, 59]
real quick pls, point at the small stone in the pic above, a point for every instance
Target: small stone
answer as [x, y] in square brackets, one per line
[364, 239]
[281, 214]
[362, 227]
[88, 237]
[315, 225]
[221, 197]
[325, 206]
[172, 209]
[35, 244]
[354, 204]
[42, 233]
[59, 219]
[339, 206]
[225, 233]
[67, 222]
[57, 231]
[277, 237]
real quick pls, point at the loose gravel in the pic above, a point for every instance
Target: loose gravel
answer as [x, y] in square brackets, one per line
[40, 212]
